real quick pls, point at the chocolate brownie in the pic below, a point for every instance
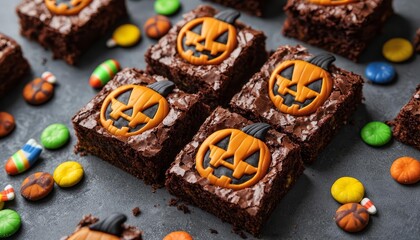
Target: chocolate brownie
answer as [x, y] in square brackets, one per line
[235, 170]
[254, 7]
[344, 29]
[213, 58]
[407, 123]
[68, 33]
[109, 228]
[417, 41]
[308, 100]
[138, 129]
[13, 66]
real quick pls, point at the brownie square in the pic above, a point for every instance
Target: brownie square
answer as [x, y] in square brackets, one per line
[218, 82]
[13, 66]
[313, 131]
[68, 36]
[344, 29]
[417, 41]
[246, 208]
[407, 123]
[254, 7]
[145, 154]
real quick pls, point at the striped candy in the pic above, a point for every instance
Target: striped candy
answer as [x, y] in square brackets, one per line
[23, 159]
[104, 73]
[368, 204]
[8, 194]
[49, 77]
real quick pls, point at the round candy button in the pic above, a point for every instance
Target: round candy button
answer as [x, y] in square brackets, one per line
[157, 26]
[347, 190]
[352, 217]
[37, 186]
[178, 235]
[68, 174]
[126, 35]
[376, 134]
[7, 124]
[167, 7]
[9, 223]
[380, 72]
[398, 50]
[405, 170]
[55, 136]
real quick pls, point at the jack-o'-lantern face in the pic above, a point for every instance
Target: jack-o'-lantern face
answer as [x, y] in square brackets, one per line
[66, 7]
[132, 109]
[298, 87]
[208, 40]
[108, 229]
[233, 158]
[332, 2]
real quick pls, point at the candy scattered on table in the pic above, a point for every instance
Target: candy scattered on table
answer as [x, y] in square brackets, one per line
[167, 7]
[368, 204]
[49, 77]
[23, 159]
[55, 136]
[178, 235]
[104, 73]
[7, 124]
[380, 72]
[347, 190]
[157, 26]
[37, 186]
[38, 91]
[405, 170]
[376, 134]
[9, 223]
[352, 217]
[126, 35]
[8, 194]
[68, 174]
[398, 50]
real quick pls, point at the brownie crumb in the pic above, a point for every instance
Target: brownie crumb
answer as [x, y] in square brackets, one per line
[184, 208]
[173, 202]
[213, 231]
[239, 233]
[136, 211]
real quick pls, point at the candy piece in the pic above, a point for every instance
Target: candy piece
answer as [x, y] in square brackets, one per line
[9, 223]
[7, 124]
[38, 92]
[104, 73]
[167, 7]
[179, 235]
[23, 159]
[157, 26]
[126, 35]
[55, 136]
[68, 174]
[368, 204]
[398, 50]
[376, 134]
[37, 186]
[347, 190]
[380, 72]
[352, 217]
[405, 170]
[49, 77]
[1, 205]
[8, 194]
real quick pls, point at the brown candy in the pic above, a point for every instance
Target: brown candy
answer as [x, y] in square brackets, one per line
[157, 26]
[352, 217]
[7, 124]
[38, 91]
[37, 186]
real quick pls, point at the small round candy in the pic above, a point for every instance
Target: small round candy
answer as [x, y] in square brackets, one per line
[126, 35]
[178, 235]
[380, 72]
[167, 7]
[38, 92]
[7, 124]
[398, 50]
[68, 174]
[352, 217]
[157, 26]
[37, 186]
[376, 134]
[9, 223]
[347, 190]
[405, 170]
[55, 136]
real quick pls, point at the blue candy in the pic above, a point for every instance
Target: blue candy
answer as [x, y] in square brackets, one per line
[380, 72]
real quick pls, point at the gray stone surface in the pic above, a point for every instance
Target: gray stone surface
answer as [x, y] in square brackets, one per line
[306, 212]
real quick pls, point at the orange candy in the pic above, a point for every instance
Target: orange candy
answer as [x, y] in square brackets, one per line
[179, 235]
[406, 170]
[352, 217]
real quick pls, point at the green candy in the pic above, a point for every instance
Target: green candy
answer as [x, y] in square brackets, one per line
[9, 223]
[167, 7]
[376, 134]
[55, 136]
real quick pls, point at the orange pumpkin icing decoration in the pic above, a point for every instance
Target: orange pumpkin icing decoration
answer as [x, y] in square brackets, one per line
[66, 7]
[332, 2]
[406, 170]
[109, 228]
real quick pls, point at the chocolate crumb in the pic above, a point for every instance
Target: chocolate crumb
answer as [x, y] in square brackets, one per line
[173, 202]
[213, 231]
[184, 208]
[136, 211]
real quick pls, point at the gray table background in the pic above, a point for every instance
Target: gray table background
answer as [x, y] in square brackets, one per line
[305, 213]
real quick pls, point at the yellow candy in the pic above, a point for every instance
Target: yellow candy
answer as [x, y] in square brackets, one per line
[1, 205]
[68, 174]
[398, 50]
[347, 190]
[125, 35]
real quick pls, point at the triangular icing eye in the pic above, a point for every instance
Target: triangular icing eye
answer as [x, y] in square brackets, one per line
[316, 85]
[253, 159]
[151, 111]
[222, 38]
[224, 143]
[197, 29]
[293, 87]
[288, 72]
[125, 97]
